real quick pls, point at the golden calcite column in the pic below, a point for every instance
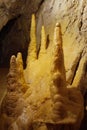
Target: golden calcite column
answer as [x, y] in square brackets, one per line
[43, 42]
[21, 72]
[58, 86]
[32, 46]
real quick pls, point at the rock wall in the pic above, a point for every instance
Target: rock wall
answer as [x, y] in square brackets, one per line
[15, 18]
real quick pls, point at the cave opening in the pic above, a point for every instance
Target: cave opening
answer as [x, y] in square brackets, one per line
[10, 43]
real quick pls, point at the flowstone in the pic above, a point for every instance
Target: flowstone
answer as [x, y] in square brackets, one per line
[38, 97]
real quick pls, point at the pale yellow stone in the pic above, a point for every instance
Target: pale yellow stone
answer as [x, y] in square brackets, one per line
[43, 42]
[21, 72]
[32, 46]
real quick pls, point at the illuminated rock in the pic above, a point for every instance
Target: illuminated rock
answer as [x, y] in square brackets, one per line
[38, 97]
[21, 72]
[32, 47]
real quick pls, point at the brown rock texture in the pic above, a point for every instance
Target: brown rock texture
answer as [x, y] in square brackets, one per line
[15, 18]
[38, 98]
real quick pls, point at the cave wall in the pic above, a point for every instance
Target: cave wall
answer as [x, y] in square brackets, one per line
[15, 18]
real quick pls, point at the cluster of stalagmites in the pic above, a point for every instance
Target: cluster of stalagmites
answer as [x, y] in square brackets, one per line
[38, 97]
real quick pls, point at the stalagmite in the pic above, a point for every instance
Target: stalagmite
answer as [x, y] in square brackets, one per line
[43, 42]
[58, 74]
[58, 56]
[32, 46]
[21, 72]
[80, 73]
[38, 97]
[12, 77]
[70, 74]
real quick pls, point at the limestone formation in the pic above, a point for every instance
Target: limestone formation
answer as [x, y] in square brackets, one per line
[32, 47]
[72, 16]
[21, 72]
[15, 35]
[38, 97]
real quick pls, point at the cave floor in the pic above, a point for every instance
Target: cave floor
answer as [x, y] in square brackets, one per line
[3, 83]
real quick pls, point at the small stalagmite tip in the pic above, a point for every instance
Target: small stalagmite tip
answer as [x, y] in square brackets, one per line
[57, 24]
[13, 59]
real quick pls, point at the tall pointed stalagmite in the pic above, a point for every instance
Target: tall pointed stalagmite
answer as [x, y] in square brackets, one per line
[32, 46]
[20, 70]
[20, 67]
[43, 42]
[58, 86]
[58, 69]
[19, 62]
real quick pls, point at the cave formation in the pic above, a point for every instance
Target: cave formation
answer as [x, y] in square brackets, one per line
[41, 91]
[46, 83]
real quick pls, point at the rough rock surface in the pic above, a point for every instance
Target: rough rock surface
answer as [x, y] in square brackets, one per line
[38, 97]
[14, 25]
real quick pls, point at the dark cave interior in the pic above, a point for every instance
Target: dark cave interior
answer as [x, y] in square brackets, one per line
[9, 47]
